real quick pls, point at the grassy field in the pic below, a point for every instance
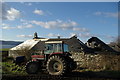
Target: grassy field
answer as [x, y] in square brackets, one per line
[5, 49]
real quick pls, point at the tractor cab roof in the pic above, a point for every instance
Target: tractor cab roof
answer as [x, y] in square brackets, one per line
[52, 42]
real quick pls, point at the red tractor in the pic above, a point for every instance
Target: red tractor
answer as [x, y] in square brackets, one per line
[55, 58]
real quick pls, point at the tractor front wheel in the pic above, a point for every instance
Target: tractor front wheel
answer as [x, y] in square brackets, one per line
[32, 67]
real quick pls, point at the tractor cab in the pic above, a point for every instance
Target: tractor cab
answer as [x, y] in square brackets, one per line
[55, 47]
[50, 48]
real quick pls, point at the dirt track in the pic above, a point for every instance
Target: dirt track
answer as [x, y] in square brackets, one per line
[73, 76]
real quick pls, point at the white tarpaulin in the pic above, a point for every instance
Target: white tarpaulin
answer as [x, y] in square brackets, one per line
[29, 44]
[19, 50]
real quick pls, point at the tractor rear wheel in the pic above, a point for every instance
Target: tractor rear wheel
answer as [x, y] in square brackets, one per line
[32, 67]
[56, 65]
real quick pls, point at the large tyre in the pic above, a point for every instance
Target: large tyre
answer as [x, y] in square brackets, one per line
[56, 65]
[32, 67]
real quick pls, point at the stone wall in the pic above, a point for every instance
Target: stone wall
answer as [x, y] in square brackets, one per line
[101, 61]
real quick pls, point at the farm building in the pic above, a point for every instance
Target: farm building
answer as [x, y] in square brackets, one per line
[36, 44]
[75, 45]
[98, 45]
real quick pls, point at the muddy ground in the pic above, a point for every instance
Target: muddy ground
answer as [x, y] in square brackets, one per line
[73, 76]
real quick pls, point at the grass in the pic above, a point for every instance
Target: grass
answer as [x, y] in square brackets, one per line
[12, 68]
[8, 67]
[5, 49]
[4, 52]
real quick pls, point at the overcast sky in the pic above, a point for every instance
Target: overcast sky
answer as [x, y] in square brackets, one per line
[21, 19]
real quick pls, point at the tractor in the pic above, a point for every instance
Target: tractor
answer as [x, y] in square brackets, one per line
[55, 58]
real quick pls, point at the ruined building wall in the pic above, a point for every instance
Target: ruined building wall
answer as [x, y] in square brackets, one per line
[101, 61]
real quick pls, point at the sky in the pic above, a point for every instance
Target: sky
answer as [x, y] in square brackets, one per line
[51, 19]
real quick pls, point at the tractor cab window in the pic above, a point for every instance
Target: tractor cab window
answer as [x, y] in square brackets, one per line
[57, 47]
[52, 48]
[49, 48]
[65, 47]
